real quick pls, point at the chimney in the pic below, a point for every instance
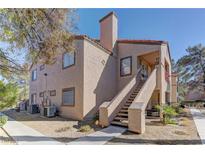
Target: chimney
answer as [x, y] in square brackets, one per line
[109, 31]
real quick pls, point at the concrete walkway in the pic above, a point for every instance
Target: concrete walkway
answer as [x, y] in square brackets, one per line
[99, 137]
[199, 120]
[24, 135]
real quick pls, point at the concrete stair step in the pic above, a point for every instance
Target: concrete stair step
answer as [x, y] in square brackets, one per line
[127, 104]
[123, 111]
[132, 96]
[131, 99]
[123, 114]
[120, 118]
[117, 123]
[134, 93]
[125, 107]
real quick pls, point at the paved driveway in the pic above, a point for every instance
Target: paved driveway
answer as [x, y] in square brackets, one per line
[199, 120]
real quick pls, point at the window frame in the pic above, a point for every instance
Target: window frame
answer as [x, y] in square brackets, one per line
[51, 91]
[32, 75]
[68, 65]
[42, 67]
[69, 89]
[121, 60]
[42, 94]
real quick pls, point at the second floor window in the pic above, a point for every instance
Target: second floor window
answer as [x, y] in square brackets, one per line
[34, 75]
[52, 92]
[68, 59]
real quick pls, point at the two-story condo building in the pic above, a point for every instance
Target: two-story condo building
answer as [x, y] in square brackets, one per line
[120, 78]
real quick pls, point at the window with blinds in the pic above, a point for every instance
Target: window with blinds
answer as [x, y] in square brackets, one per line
[69, 97]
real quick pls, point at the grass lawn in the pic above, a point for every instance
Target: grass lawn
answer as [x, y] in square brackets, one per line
[184, 132]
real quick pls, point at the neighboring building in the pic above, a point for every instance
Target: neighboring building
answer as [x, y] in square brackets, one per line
[120, 78]
[194, 95]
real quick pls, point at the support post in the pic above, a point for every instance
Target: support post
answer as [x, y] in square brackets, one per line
[136, 120]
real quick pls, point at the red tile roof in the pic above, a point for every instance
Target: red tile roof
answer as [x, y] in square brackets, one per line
[92, 40]
[158, 42]
[151, 42]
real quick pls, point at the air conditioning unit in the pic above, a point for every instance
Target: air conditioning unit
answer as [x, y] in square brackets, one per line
[34, 108]
[50, 111]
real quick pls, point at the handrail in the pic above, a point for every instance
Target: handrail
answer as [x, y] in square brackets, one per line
[108, 109]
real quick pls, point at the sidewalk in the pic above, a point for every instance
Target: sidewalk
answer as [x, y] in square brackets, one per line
[199, 120]
[100, 137]
[24, 135]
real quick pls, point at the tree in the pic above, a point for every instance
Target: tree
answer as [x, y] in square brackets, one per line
[191, 70]
[40, 33]
[22, 83]
[182, 80]
[8, 94]
[37, 35]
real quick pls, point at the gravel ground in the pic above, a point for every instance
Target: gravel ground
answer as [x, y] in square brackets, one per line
[5, 139]
[156, 133]
[63, 130]
[66, 130]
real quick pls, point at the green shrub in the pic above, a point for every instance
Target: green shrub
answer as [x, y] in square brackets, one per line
[85, 128]
[168, 113]
[3, 120]
[177, 108]
[170, 121]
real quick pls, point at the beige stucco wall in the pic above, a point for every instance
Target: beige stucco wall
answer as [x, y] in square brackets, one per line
[164, 56]
[93, 76]
[154, 99]
[58, 79]
[134, 50]
[109, 32]
[99, 78]
[174, 89]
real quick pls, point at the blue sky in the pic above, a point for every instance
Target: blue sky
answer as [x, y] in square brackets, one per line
[180, 27]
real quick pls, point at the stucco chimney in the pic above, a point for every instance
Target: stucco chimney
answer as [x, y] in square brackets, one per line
[109, 30]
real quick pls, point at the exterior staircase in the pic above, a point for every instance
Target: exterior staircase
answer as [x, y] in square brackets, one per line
[121, 118]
